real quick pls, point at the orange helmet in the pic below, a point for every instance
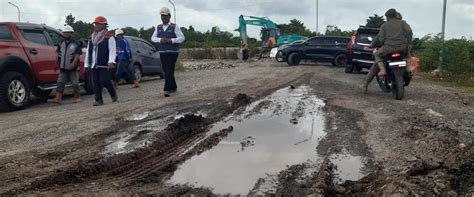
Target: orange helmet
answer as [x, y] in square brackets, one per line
[100, 20]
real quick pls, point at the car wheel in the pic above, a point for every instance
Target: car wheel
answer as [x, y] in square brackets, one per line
[137, 71]
[294, 59]
[279, 59]
[42, 94]
[161, 75]
[14, 91]
[340, 60]
[89, 83]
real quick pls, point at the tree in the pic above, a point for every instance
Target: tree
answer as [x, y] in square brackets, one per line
[70, 19]
[130, 31]
[146, 33]
[295, 27]
[333, 30]
[375, 21]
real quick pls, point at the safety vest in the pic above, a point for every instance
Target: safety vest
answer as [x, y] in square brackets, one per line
[66, 56]
[169, 33]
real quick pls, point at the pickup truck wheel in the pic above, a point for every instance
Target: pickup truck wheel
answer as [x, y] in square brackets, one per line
[14, 91]
[340, 60]
[294, 59]
[88, 83]
[42, 94]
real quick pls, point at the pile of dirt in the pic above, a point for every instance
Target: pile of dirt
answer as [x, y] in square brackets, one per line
[177, 133]
[209, 65]
[240, 100]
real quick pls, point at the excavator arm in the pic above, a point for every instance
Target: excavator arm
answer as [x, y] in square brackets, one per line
[270, 31]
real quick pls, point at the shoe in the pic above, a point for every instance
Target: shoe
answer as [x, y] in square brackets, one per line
[135, 84]
[98, 103]
[57, 98]
[167, 93]
[77, 98]
[114, 98]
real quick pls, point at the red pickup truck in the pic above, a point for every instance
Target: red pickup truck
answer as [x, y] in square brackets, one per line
[28, 62]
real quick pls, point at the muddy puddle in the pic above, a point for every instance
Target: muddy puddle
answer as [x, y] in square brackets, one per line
[273, 133]
[140, 135]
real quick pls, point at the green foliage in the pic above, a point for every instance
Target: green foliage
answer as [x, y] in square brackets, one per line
[180, 66]
[213, 38]
[333, 30]
[130, 31]
[375, 21]
[82, 30]
[295, 27]
[458, 56]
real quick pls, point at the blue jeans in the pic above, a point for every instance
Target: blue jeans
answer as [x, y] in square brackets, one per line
[124, 67]
[101, 79]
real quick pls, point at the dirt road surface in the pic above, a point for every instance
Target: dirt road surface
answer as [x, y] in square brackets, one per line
[368, 144]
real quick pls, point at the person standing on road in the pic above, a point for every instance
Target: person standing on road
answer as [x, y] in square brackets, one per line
[124, 57]
[68, 53]
[395, 36]
[169, 36]
[100, 58]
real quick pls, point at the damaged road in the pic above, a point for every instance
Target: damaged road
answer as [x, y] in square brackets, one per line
[260, 128]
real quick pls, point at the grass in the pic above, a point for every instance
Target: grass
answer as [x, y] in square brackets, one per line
[179, 66]
[466, 85]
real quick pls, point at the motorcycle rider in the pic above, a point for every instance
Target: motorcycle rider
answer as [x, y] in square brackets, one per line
[395, 36]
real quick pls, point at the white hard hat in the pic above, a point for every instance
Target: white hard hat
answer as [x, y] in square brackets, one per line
[118, 32]
[164, 11]
[68, 28]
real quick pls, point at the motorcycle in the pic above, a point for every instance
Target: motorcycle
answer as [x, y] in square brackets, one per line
[397, 76]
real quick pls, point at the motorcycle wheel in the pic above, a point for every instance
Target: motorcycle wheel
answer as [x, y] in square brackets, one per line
[398, 87]
[383, 83]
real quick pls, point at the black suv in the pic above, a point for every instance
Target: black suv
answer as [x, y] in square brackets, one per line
[360, 55]
[323, 49]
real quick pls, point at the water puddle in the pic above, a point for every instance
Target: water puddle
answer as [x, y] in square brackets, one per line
[348, 167]
[280, 130]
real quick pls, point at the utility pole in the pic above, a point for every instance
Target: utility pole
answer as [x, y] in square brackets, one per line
[443, 24]
[317, 17]
[17, 9]
[174, 8]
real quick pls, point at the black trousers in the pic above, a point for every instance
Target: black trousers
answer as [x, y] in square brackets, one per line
[101, 78]
[168, 61]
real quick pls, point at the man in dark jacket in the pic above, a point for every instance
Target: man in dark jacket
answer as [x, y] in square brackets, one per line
[68, 51]
[100, 59]
[124, 59]
[395, 36]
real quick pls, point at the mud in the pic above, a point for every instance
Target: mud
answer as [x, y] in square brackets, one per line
[262, 143]
[370, 145]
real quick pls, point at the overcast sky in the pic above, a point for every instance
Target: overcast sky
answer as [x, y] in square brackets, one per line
[424, 16]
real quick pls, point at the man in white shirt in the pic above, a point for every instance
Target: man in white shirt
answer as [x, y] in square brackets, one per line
[169, 36]
[100, 58]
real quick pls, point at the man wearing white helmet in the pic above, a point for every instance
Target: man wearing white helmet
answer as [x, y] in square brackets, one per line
[124, 58]
[68, 53]
[169, 36]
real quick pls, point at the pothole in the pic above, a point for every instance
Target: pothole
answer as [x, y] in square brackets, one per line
[280, 130]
